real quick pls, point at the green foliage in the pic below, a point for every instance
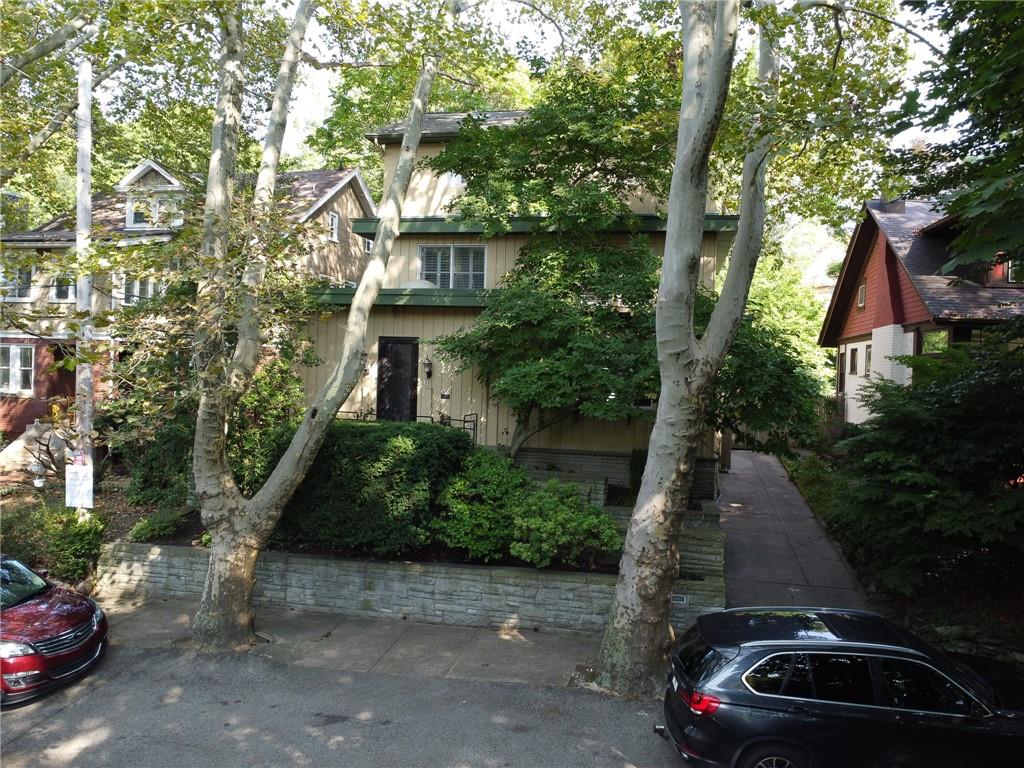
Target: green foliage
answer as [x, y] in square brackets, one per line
[977, 85]
[273, 402]
[48, 535]
[373, 486]
[161, 471]
[553, 525]
[159, 525]
[820, 483]
[935, 476]
[478, 505]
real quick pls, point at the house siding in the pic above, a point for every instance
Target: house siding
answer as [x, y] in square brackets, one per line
[345, 260]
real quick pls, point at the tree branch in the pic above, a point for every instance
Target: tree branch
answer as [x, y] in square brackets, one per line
[316, 63]
[841, 7]
[49, 44]
[39, 139]
[546, 16]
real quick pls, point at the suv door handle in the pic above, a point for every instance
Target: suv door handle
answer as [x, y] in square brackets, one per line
[797, 710]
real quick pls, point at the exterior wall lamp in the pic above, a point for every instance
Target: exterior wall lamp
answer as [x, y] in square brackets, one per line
[428, 367]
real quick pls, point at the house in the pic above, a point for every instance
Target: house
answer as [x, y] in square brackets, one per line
[892, 299]
[438, 279]
[145, 208]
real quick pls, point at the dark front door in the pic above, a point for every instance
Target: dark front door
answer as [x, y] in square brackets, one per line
[397, 377]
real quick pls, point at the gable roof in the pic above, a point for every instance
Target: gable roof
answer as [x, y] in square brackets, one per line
[440, 126]
[302, 193]
[176, 181]
[918, 232]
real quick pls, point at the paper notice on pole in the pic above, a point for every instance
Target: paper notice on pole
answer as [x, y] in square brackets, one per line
[78, 486]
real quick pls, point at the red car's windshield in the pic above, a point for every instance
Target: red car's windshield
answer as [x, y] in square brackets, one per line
[17, 583]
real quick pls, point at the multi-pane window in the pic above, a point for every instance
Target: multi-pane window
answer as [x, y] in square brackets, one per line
[139, 288]
[139, 213]
[17, 364]
[64, 288]
[17, 283]
[453, 266]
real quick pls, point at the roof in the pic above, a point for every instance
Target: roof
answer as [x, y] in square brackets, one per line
[445, 125]
[787, 624]
[302, 193]
[920, 236]
[919, 233]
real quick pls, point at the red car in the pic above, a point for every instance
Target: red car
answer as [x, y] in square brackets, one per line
[48, 635]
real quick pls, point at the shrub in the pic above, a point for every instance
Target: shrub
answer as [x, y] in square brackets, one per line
[373, 486]
[161, 470]
[478, 506]
[552, 524]
[50, 536]
[159, 525]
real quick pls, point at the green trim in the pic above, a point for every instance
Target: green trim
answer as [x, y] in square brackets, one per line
[410, 297]
[439, 225]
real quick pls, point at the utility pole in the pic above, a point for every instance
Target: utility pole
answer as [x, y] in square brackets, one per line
[79, 475]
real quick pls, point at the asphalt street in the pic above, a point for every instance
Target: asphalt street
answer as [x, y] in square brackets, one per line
[147, 708]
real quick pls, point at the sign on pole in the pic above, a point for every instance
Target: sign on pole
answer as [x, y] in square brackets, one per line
[78, 486]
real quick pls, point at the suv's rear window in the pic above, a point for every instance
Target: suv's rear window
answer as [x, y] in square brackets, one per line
[698, 659]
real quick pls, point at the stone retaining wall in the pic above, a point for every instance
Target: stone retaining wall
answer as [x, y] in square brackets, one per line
[468, 595]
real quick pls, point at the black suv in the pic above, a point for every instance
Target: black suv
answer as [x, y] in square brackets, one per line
[826, 688]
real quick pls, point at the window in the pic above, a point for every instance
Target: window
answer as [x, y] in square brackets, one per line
[63, 288]
[139, 288]
[862, 295]
[334, 223]
[17, 366]
[17, 283]
[841, 383]
[912, 685]
[867, 359]
[698, 659]
[841, 678]
[1014, 272]
[139, 213]
[933, 342]
[787, 674]
[453, 266]
[853, 360]
[367, 246]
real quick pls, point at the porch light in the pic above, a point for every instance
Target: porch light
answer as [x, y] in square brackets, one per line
[428, 367]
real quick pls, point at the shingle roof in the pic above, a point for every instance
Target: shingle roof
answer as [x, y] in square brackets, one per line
[446, 125]
[923, 254]
[299, 192]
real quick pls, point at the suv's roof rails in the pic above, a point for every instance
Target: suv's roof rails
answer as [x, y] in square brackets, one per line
[836, 643]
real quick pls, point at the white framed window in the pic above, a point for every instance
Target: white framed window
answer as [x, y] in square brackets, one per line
[17, 368]
[138, 289]
[867, 358]
[63, 288]
[139, 214]
[853, 360]
[453, 266]
[17, 284]
[367, 246]
[1014, 272]
[862, 295]
[334, 226]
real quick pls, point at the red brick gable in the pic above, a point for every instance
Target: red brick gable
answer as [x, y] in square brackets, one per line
[891, 297]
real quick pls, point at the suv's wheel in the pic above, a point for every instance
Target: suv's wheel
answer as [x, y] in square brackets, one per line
[774, 756]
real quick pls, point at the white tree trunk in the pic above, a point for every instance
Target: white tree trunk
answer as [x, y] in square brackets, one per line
[84, 401]
[240, 528]
[56, 39]
[638, 635]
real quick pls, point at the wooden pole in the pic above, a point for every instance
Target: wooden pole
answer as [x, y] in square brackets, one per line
[83, 448]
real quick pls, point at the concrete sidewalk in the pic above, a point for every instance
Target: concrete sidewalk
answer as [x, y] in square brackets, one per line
[776, 550]
[387, 646]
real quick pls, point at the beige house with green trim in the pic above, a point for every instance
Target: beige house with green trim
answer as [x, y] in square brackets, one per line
[438, 280]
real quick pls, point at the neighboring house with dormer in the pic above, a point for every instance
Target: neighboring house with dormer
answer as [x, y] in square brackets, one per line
[892, 299]
[438, 279]
[146, 208]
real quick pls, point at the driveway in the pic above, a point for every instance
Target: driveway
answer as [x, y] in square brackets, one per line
[155, 707]
[776, 550]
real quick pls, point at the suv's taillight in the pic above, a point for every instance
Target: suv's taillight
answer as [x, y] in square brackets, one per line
[700, 703]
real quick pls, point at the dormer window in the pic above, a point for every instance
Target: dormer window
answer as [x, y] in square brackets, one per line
[139, 213]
